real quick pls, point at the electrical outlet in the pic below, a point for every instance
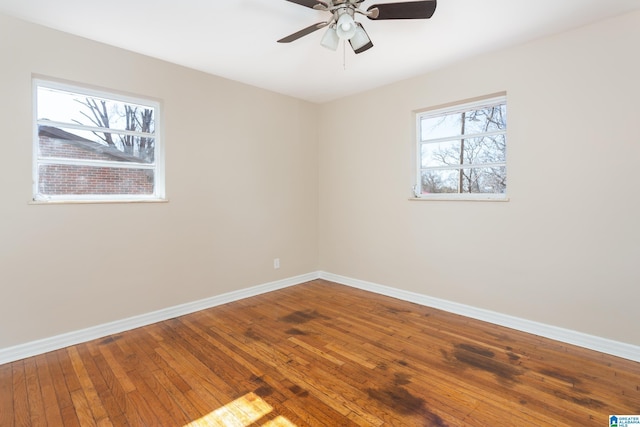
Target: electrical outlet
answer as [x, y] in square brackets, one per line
[276, 263]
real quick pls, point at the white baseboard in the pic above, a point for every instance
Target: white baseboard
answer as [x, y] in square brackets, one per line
[603, 345]
[34, 348]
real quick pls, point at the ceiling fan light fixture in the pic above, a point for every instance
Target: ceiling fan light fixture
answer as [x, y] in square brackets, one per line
[330, 40]
[345, 26]
[360, 40]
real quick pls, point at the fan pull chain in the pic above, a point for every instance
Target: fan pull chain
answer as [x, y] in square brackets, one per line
[344, 55]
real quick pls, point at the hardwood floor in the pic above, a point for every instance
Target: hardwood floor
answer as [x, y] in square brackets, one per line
[319, 354]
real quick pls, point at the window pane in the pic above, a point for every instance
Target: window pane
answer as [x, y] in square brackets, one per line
[72, 179]
[489, 119]
[441, 154]
[440, 181]
[490, 180]
[68, 107]
[483, 120]
[441, 126]
[486, 149]
[484, 180]
[77, 144]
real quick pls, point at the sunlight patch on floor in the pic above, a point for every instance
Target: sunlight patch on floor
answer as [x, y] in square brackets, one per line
[280, 421]
[241, 412]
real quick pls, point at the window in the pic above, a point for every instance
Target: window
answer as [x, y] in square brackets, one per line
[462, 151]
[91, 145]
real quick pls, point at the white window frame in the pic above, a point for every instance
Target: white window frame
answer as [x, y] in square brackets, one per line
[458, 107]
[157, 166]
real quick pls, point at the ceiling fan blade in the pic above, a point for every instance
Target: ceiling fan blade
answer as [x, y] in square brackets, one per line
[405, 10]
[313, 4]
[303, 32]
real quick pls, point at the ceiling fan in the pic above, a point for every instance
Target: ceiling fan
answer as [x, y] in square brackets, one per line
[342, 24]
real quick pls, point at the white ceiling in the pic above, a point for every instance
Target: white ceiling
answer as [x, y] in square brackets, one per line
[236, 39]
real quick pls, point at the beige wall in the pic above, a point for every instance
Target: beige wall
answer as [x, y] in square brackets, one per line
[241, 166]
[565, 250]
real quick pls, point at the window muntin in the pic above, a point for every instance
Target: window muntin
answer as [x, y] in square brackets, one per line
[462, 151]
[93, 145]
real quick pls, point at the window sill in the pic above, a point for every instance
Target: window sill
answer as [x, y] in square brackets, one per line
[86, 202]
[458, 199]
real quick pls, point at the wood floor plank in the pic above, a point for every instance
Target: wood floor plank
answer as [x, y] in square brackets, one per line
[63, 395]
[83, 409]
[91, 400]
[34, 393]
[50, 400]
[103, 381]
[118, 372]
[21, 410]
[319, 354]
[6, 396]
